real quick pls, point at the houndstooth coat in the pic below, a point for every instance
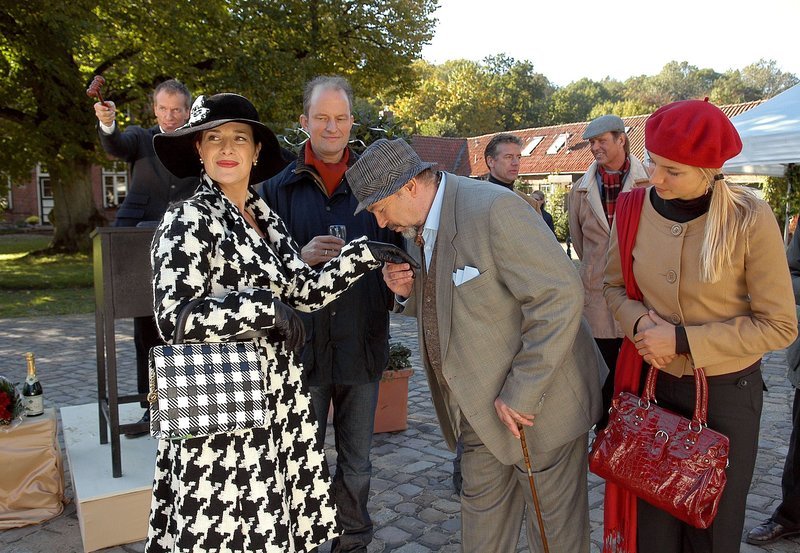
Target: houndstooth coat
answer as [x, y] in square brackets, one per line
[265, 489]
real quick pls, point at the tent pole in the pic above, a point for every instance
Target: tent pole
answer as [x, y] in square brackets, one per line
[786, 215]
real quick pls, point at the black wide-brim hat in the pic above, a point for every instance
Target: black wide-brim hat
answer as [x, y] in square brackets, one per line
[177, 151]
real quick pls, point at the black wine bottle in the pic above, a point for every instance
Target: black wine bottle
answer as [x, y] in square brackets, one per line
[32, 393]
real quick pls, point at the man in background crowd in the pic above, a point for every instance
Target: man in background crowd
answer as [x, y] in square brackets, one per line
[592, 202]
[538, 197]
[502, 155]
[152, 189]
[347, 345]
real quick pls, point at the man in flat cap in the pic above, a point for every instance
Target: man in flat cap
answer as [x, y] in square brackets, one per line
[502, 341]
[592, 202]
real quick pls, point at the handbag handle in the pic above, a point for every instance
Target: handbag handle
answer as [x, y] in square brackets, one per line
[180, 322]
[700, 394]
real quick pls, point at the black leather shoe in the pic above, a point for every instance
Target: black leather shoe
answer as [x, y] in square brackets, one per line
[138, 433]
[769, 532]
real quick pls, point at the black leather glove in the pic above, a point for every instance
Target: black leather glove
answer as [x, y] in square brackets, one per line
[289, 324]
[390, 253]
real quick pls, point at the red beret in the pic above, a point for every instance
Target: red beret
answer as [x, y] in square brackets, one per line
[692, 132]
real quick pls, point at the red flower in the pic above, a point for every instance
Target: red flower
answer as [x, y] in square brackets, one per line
[5, 403]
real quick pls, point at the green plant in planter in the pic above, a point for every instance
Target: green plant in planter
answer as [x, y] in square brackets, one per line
[399, 357]
[399, 366]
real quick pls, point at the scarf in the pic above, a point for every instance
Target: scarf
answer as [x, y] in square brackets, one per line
[612, 184]
[619, 522]
[330, 173]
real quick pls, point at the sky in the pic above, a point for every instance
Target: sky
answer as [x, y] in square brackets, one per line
[567, 40]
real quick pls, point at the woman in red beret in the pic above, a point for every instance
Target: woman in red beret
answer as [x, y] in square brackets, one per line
[715, 292]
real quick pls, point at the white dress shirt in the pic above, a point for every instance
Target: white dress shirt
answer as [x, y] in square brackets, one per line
[431, 228]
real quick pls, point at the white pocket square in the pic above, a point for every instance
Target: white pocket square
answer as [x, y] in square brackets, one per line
[466, 274]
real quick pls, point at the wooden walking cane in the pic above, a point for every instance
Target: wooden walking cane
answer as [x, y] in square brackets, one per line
[533, 489]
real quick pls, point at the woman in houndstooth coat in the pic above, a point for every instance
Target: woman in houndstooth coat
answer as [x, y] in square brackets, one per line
[262, 489]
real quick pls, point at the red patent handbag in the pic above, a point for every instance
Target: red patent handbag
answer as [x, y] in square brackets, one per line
[673, 463]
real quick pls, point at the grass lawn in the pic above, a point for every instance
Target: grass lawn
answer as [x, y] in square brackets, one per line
[36, 285]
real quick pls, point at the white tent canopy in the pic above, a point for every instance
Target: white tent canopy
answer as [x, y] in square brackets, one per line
[770, 135]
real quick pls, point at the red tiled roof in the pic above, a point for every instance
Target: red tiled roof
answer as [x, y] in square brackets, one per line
[449, 153]
[573, 157]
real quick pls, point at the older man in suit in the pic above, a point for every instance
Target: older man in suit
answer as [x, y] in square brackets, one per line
[503, 343]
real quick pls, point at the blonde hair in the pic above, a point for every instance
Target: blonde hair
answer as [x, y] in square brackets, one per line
[731, 214]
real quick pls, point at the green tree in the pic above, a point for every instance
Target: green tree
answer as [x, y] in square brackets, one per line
[775, 193]
[681, 81]
[264, 50]
[274, 48]
[469, 103]
[765, 77]
[622, 108]
[523, 95]
[467, 98]
[731, 88]
[451, 99]
[575, 101]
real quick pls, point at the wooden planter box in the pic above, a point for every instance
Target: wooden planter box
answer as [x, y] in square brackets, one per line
[391, 413]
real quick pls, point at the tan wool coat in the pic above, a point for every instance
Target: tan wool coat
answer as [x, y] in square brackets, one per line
[731, 323]
[589, 230]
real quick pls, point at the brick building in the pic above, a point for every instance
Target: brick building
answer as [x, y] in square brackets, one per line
[35, 197]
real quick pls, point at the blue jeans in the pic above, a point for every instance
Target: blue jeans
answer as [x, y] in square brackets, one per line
[353, 423]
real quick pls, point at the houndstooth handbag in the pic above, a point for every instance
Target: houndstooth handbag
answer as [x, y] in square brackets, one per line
[201, 389]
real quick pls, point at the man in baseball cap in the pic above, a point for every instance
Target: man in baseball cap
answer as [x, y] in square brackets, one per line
[502, 340]
[592, 202]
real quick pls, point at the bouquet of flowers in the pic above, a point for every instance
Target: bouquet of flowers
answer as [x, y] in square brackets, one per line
[11, 406]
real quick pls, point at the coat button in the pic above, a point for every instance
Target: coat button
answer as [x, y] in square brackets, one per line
[675, 318]
[676, 230]
[327, 208]
[672, 276]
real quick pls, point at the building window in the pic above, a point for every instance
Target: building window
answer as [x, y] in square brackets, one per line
[8, 201]
[45, 187]
[531, 145]
[115, 185]
[46, 201]
[558, 143]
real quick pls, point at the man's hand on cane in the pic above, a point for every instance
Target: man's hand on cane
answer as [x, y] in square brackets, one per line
[511, 418]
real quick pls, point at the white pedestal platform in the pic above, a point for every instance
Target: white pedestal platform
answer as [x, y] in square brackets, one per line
[111, 511]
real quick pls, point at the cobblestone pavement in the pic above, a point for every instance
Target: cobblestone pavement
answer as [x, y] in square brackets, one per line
[412, 503]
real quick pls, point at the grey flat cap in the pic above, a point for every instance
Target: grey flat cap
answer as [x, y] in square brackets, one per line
[383, 169]
[603, 124]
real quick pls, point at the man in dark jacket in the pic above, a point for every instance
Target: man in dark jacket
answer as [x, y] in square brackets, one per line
[347, 344]
[152, 189]
[785, 520]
